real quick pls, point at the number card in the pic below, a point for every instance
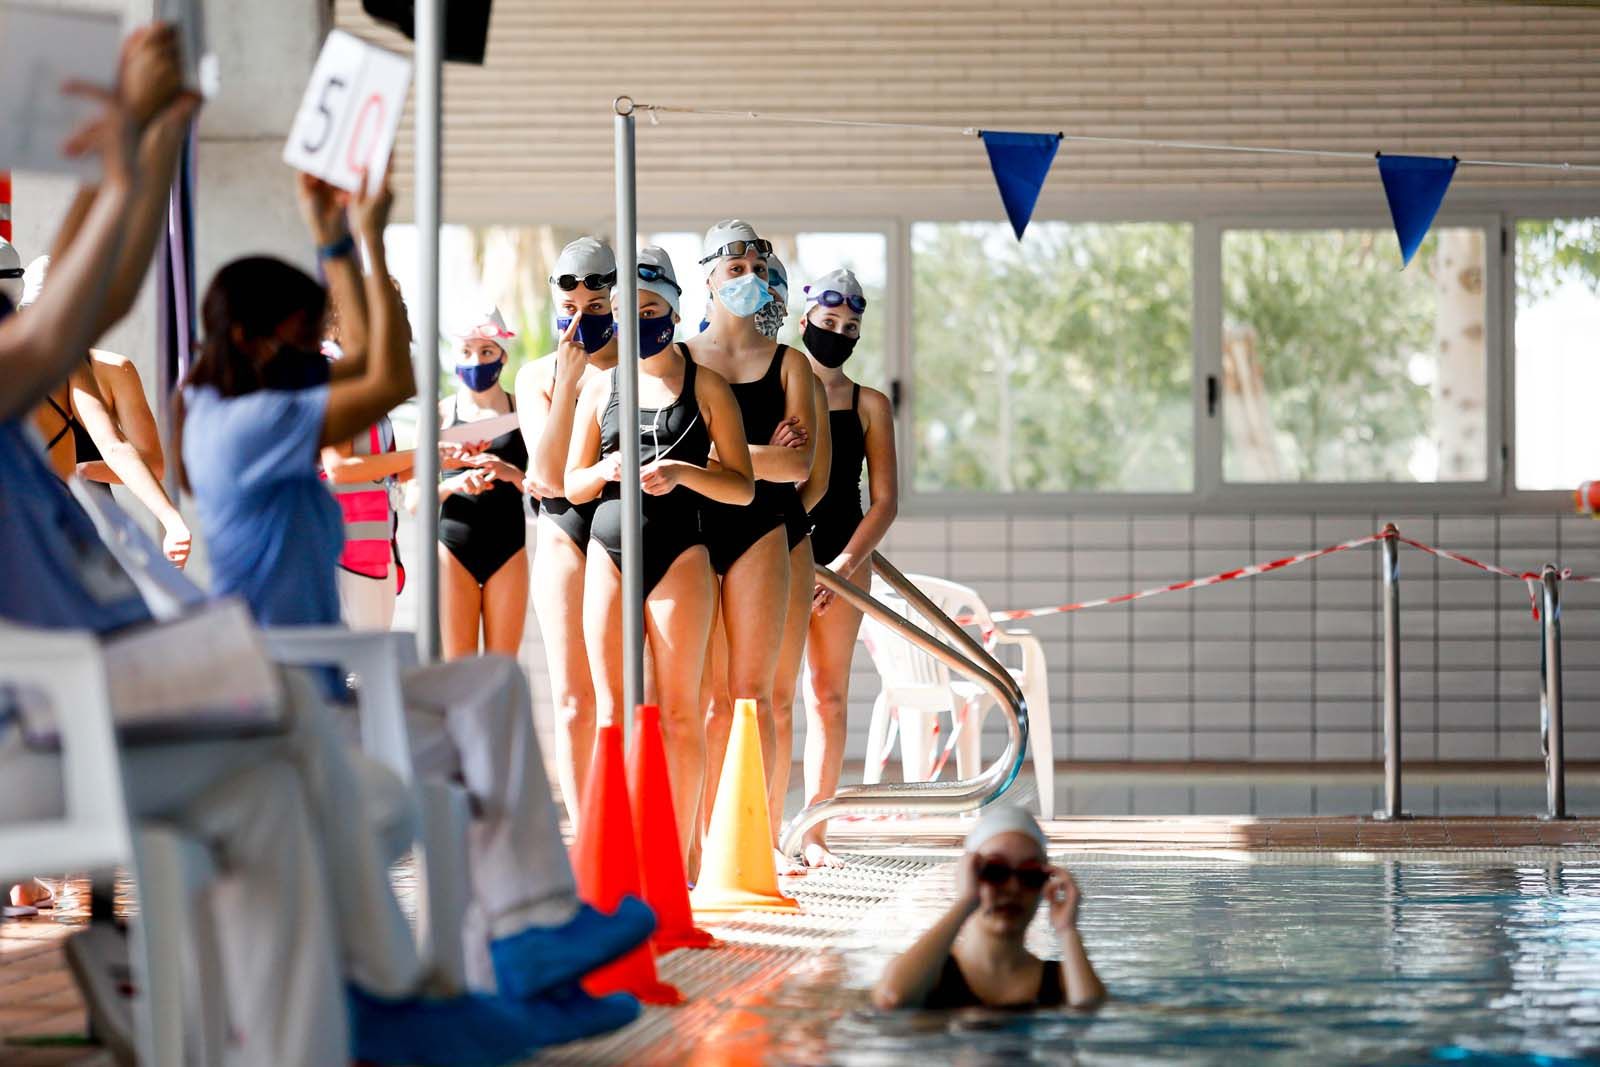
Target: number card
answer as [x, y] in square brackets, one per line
[40, 51]
[351, 110]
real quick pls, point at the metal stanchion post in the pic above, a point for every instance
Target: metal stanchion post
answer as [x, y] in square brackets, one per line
[1392, 807]
[430, 76]
[1550, 711]
[628, 411]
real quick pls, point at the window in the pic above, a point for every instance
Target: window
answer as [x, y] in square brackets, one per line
[1557, 374]
[1061, 363]
[1339, 367]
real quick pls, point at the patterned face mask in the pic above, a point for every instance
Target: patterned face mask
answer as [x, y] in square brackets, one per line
[769, 320]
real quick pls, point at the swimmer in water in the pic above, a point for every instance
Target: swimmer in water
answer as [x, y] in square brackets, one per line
[999, 881]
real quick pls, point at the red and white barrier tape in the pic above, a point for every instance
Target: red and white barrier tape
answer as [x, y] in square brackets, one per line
[1530, 578]
[1176, 587]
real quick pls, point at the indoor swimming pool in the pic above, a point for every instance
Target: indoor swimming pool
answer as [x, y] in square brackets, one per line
[1214, 962]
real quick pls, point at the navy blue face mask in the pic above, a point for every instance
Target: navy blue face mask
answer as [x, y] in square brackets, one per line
[594, 331]
[654, 335]
[479, 377]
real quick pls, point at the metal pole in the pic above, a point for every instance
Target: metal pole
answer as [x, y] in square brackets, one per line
[429, 56]
[1392, 808]
[1555, 761]
[628, 406]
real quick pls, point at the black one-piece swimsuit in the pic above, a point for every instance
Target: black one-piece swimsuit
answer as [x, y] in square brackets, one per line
[484, 531]
[731, 530]
[670, 522]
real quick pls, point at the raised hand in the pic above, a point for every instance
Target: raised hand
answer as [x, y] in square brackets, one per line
[571, 358]
[369, 208]
[1063, 896]
[323, 207]
[150, 73]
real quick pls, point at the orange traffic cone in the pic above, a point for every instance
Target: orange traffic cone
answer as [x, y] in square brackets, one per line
[607, 868]
[737, 872]
[660, 851]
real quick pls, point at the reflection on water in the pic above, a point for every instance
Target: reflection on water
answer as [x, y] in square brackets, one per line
[1211, 963]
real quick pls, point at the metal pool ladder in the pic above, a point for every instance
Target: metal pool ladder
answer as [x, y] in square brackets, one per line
[960, 651]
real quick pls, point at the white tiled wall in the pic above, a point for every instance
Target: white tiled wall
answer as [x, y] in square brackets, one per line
[1287, 665]
[1284, 666]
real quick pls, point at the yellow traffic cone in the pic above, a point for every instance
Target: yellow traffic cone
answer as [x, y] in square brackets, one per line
[737, 872]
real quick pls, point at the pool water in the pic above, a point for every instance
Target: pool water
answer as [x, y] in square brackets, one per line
[1231, 963]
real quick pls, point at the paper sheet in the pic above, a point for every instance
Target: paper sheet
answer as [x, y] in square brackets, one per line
[40, 51]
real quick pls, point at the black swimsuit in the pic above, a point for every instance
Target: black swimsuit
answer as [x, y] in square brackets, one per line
[952, 990]
[671, 523]
[483, 532]
[70, 424]
[571, 519]
[838, 513]
[732, 530]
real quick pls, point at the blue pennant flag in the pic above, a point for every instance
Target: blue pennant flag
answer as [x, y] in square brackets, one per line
[1415, 186]
[1021, 162]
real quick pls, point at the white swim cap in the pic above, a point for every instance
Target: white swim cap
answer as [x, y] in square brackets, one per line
[839, 281]
[1005, 819]
[584, 257]
[33, 280]
[665, 285]
[726, 232]
[11, 283]
[487, 325]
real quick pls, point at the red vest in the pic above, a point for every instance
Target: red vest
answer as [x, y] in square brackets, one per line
[368, 515]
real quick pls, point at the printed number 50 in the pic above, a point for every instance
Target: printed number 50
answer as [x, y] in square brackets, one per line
[324, 109]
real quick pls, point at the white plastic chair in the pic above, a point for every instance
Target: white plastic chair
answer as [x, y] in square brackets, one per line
[916, 690]
[968, 701]
[378, 660]
[95, 833]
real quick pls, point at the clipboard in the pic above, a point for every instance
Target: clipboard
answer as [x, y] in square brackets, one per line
[482, 430]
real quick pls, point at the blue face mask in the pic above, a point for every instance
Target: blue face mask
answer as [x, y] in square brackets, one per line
[594, 331]
[480, 376]
[654, 335]
[745, 295]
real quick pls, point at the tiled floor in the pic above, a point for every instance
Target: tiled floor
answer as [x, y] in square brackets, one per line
[37, 999]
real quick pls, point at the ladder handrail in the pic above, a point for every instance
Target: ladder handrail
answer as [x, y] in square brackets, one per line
[924, 798]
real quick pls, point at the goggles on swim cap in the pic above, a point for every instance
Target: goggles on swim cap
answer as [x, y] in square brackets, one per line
[651, 273]
[736, 249]
[832, 298]
[12, 272]
[596, 282]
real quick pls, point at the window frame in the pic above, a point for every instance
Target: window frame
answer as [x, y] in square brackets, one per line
[1209, 216]
[1259, 496]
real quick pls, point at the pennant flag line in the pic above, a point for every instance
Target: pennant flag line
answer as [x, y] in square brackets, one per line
[1021, 162]
[1415, 187]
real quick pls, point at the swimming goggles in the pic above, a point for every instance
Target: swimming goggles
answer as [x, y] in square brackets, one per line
[12, 272]
[737, 249]
[832, 298]
[1031, 877]
[568, 282]
[649, 272]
